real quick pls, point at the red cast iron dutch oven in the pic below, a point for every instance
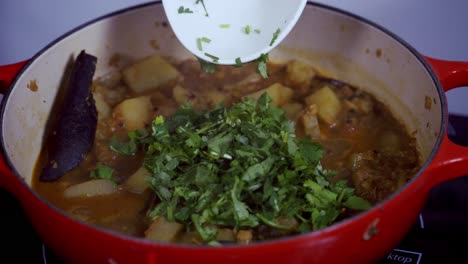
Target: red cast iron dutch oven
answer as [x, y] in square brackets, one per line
[342, 45]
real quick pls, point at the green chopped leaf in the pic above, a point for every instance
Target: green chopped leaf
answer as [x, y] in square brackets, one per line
[199, 44]
[224, 25]
[238, 62]
[214, 243]
[124, 148]
[258, 170]
[102, 172]
[205, 39]
[207, 67]
[262, 65]
[257, 31]
[357, 203]
[275, 36]
[183, 10]
[200, 40]
[247, 29]
[207, 232]
[214, 58]
[239, 167]
[311, 151]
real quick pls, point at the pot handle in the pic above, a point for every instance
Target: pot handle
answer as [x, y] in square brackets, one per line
[451, 160]
[8, 74]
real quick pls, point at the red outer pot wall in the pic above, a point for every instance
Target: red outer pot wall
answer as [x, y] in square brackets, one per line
[364, 238]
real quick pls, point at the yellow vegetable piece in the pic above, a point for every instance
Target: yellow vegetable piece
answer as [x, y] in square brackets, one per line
[149, 74]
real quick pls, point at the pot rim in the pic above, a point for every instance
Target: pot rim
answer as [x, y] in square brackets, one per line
[290, 239]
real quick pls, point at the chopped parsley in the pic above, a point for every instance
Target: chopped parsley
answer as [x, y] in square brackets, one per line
[257, 31]
[262, 65]
[240, 167]
[224, 25]
[206, 66]
[203, 4]
[183, 10]
[275, 36]
[102, 172]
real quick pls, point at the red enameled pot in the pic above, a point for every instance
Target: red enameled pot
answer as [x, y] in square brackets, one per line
[342, 45]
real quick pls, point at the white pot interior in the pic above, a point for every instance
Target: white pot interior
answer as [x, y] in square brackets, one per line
[341, 46]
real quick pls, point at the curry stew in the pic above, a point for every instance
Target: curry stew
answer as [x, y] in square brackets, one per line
[362, 142]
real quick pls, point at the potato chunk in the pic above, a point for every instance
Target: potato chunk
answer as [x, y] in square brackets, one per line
[163, 230]
[134, 113]
[279, 94]
[214, 98]
[91, 188]
[136, 183]
[300, 72]
[148, 74]
[180, 94]
[244, 236]
[103, 109]
[327, 102]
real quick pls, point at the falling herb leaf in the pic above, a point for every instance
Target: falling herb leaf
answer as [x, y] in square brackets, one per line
[257, 31]
[275, 36]
[183, 10]
[238, 62]
[262, 65]
[206, 66]
[224, 25]
[213, 57]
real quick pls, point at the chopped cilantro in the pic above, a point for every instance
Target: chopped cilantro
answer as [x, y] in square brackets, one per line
[102, 172]
[183, 10]
[224, 25]
[213, 57]
[247, 29]
[262, 65]
[205, 39]
[206, 66]
[199, 44]
[275, 36]
[238, 62]
[240, 167]
[200, 40]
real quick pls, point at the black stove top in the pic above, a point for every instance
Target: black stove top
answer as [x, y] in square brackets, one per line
[440, 235]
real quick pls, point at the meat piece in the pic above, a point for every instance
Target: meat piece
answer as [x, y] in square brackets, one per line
[74, 133]
[244, 236]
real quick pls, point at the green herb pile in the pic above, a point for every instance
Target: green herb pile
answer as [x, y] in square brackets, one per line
[239, 167]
